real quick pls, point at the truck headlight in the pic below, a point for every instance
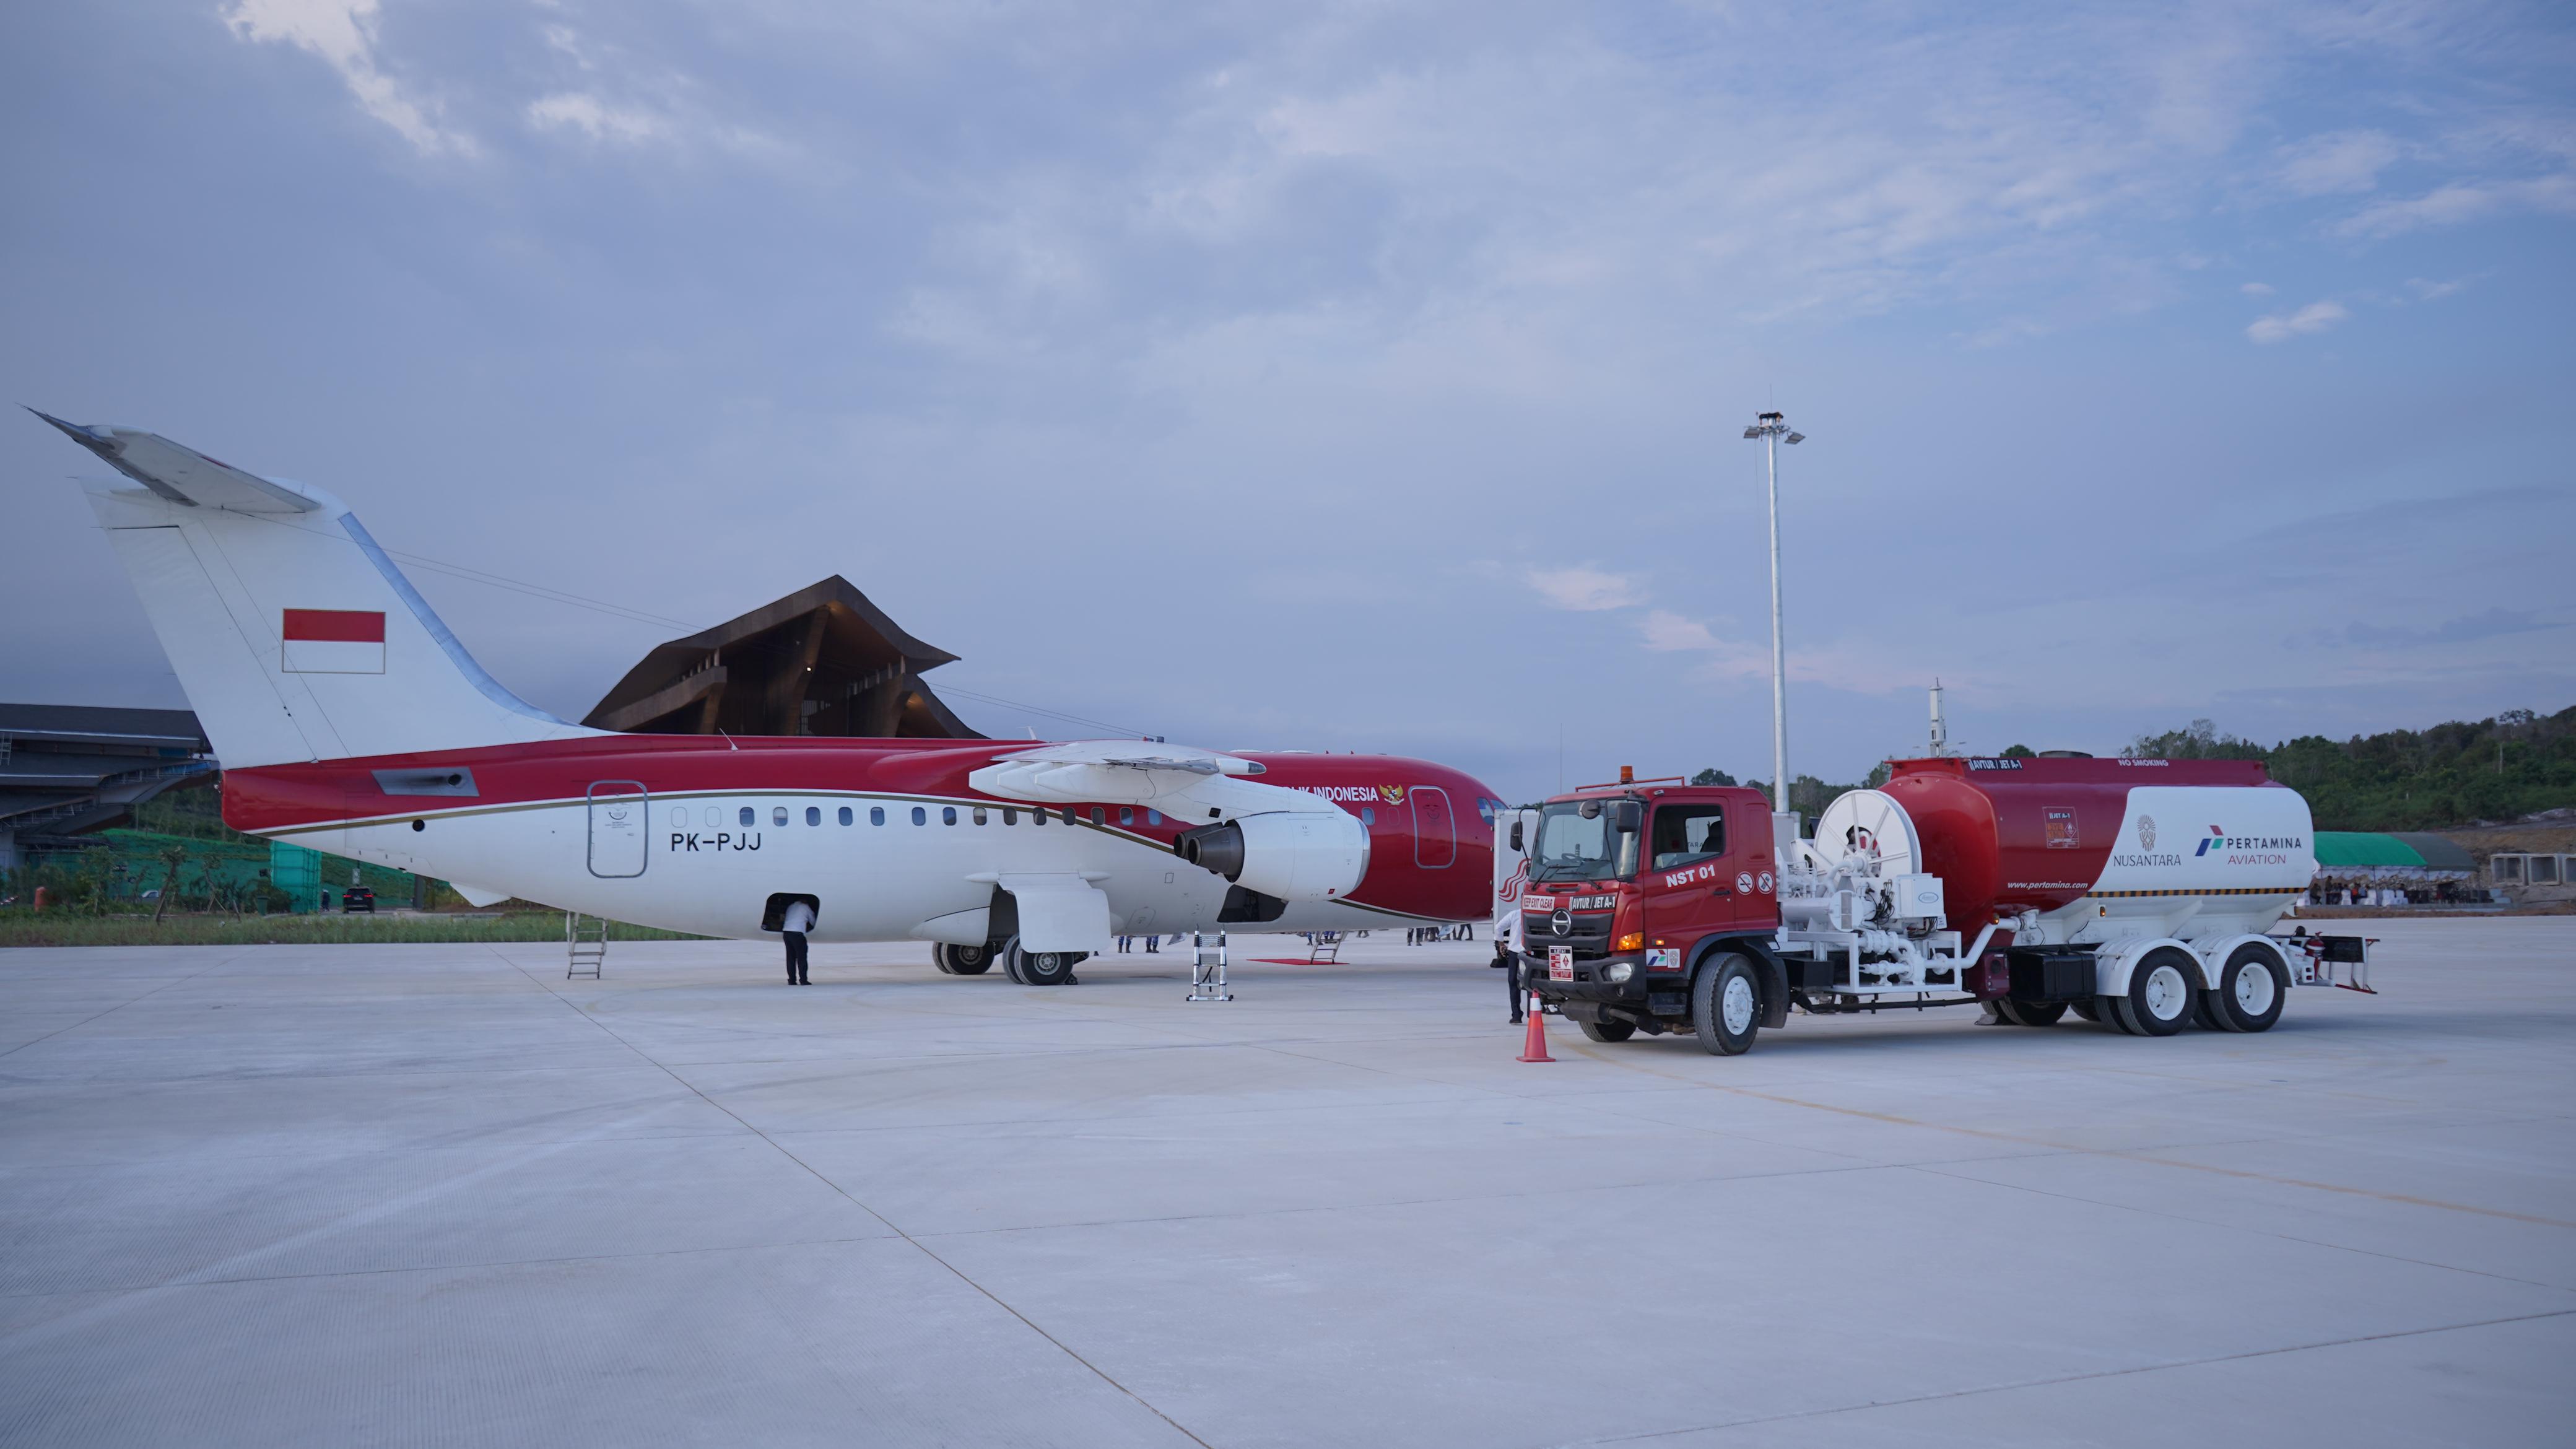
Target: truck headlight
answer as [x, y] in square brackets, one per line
[1618, 970]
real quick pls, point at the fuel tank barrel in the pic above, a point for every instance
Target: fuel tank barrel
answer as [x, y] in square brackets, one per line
[2008, 835]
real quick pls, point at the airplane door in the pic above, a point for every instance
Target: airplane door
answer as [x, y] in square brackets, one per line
[1435, 829]
[617, 837]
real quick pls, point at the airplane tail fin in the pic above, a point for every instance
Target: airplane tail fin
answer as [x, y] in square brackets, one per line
[294, 635]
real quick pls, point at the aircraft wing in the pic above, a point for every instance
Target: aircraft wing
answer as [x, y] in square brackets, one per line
[1187, 784]
[182, 474]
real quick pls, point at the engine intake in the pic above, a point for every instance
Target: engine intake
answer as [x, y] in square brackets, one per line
[1293, 855]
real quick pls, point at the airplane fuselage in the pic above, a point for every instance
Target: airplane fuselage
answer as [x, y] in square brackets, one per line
[699, 834]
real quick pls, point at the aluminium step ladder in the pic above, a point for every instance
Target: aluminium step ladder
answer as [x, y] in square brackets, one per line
[585, 945]
[1207, 968]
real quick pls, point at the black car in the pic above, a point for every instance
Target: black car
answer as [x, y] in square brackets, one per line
[358, 898]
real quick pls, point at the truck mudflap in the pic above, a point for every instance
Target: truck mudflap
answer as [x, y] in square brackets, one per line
[2342, 961]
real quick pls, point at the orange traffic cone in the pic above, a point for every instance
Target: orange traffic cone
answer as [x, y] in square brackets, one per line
[1534, 1046]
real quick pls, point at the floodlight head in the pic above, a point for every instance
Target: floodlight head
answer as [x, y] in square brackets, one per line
[1753, 432]
[1797, 437]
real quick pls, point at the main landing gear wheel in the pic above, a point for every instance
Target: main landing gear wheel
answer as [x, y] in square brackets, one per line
[1039, 968]
[966, 960]
[1608, 1030]
[2160, 995]
[2030, 1013]
[1726, 1006]
[2249, 991]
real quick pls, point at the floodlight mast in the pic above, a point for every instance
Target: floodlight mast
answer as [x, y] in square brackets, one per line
[1771, 428]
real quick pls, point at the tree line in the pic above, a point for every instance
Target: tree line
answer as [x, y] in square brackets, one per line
[2515, 764]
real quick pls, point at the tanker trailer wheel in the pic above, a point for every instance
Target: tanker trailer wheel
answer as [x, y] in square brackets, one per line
[2084, 1008]
[2030, 1013]
[1608, 1030]
[2204, 1012]
[2160, 993]
[1726, 1005]
[2249, 991]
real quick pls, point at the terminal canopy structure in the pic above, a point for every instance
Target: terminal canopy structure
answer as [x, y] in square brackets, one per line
[68, 770]
[821, 661]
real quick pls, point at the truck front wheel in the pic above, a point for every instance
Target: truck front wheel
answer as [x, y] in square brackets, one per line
[1726, 1005]
[1607, 1030]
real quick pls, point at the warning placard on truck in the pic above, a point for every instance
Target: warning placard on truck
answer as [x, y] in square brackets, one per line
[2061, 829]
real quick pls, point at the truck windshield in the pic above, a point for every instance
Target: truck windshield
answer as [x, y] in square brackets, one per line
[1573, 847]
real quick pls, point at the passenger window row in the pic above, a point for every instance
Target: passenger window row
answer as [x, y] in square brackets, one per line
[778, 815]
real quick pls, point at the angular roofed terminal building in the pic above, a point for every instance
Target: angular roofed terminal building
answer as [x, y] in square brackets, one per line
[821, 661]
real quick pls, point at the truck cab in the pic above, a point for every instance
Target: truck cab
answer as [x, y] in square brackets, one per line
[1634, 889]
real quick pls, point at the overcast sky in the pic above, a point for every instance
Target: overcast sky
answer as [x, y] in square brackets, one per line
[1353, 377]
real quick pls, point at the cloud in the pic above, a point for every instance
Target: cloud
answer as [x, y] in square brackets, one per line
[609, 94]
[2281, 327]
[2466, 201]
[2430, 291]
[343, 33]
[594, 118]
[1666, 631]
[2468, 628]
[2256, 289]
[1584, 589]
[2338, 162]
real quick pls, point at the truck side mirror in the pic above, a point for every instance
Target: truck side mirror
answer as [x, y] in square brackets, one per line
[1516, 838]
[1632, 816]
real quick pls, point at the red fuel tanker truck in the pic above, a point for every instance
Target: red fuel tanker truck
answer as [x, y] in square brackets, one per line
[2136, 893]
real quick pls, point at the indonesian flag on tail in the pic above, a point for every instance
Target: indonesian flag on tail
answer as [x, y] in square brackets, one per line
[334, 641]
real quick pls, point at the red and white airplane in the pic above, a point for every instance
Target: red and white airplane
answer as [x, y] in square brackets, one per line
[349, 719]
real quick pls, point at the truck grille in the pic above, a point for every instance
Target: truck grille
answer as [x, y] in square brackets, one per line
[1588, 932]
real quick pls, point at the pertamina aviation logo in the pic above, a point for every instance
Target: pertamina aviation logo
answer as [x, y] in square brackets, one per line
[2249, 849]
